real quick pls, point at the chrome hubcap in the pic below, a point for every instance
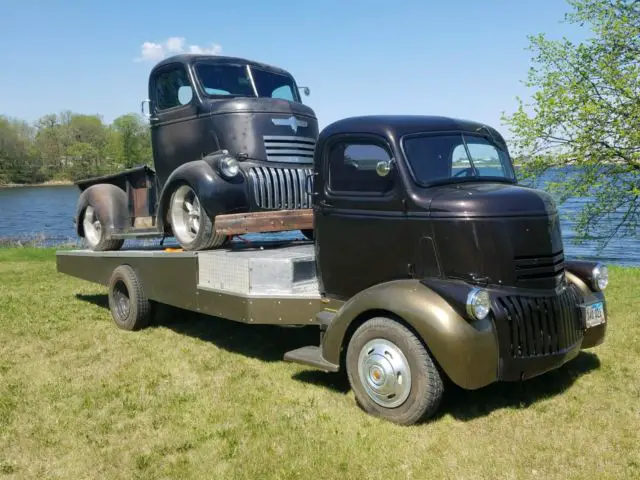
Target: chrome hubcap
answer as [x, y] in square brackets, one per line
[384, 371]
[92, 226]
[185, 214]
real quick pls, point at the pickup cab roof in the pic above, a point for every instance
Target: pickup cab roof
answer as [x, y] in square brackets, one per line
[189, 58]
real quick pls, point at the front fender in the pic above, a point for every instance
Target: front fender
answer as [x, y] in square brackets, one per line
[593, 336]
[466, 351]
[217, 195]
[111, 205]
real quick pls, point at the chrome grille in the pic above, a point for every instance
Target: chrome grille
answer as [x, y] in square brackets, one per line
[280, 188]
[289, 149]
[537, 326]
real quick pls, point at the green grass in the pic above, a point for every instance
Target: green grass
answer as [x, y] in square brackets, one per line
[196, 397]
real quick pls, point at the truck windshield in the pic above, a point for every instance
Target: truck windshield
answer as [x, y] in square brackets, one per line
[456, 157]
[234, 80]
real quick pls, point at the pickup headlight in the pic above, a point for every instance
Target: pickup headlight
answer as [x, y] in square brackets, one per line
[478, 304]
[228, 167]
[600, 277]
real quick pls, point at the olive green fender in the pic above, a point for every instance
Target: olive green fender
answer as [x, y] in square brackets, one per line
[593, 336]
[467, 351]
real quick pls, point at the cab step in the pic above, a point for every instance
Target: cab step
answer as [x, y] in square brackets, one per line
[310, 355]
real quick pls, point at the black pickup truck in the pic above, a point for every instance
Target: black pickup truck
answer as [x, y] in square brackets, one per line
[229, 135]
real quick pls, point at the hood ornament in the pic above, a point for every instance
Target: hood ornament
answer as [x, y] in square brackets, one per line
[292, 122]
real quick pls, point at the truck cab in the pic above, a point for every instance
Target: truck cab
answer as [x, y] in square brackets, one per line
[229, 136]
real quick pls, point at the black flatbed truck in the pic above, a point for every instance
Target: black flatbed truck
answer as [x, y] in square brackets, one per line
[429, 262]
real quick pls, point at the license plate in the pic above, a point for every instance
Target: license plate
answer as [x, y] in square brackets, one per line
[594, 314]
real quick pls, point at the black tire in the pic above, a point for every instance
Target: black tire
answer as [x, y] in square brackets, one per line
[426, 388]
[96, 237]
[206, 238]
[130, 307]
[308, 233]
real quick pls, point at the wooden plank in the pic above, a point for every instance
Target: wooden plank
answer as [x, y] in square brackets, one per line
[256, 222]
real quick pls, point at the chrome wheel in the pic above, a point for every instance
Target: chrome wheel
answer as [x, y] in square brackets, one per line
[384, 372]
[92, 226]
[186, 214]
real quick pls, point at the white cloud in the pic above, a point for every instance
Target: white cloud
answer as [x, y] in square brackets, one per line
[153, 52]
[175, 44]
[215, 49]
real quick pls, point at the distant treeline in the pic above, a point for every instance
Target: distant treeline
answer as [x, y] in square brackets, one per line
[70, 146]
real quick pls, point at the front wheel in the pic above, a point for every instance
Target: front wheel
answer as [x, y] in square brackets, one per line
[391, 372]
[191, 225]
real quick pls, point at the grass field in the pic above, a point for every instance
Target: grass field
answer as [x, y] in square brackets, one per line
[195, 397]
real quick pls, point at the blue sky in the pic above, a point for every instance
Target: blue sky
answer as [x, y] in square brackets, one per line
[464, 58]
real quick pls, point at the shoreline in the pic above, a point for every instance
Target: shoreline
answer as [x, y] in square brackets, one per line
[49, 183]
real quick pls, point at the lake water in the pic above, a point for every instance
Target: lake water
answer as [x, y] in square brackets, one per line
[47, 212]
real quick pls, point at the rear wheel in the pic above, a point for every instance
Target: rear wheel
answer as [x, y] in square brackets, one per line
[95, 233]
[130, 307]
[191, 225]
[391, 372]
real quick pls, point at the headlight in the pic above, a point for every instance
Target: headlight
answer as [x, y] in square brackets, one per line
[228, 167]
[478, 304]
[600, 277]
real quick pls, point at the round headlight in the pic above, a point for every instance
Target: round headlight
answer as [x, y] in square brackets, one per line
[228, 167]
[600, 277]
[478, 304]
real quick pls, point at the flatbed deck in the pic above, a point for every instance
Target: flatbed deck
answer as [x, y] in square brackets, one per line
[248, 283]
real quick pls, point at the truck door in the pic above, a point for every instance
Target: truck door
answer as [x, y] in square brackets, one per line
[174, 135]
[359, 217]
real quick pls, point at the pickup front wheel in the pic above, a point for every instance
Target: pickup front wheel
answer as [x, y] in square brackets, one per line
[192, 227]
[391, 372]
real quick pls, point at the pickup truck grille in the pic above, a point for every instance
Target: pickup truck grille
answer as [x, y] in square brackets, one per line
[289, 149]
[536, 326]
[280, 188]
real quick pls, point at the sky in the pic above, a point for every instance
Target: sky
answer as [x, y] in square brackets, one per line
[464, 58]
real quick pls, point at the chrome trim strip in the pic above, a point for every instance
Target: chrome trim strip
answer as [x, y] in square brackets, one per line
[278, 138]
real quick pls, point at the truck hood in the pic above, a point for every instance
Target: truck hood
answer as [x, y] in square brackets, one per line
[483, 199]
[265, 130]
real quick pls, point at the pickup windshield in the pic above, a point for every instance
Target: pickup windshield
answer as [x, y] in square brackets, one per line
[235, 80]
[456, 157]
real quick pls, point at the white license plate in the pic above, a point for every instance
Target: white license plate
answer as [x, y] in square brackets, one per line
[594, 314]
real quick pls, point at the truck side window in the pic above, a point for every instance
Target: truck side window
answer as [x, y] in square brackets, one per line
[352, 168]
[172, 88]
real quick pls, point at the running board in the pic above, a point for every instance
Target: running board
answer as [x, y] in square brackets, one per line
[312, 356]
[137, 233]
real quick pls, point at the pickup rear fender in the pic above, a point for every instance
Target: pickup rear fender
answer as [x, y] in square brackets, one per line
[466, 351]
[217, 195]
[111, 205]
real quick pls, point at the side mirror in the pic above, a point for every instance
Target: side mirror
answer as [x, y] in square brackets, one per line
[305, 90]
[146, 115]
[383, 167]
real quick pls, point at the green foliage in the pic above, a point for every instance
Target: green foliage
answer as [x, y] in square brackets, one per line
[585, 114]
[70, 146]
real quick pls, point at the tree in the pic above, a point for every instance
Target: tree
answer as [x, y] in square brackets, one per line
[585, 115]
[133, 141]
